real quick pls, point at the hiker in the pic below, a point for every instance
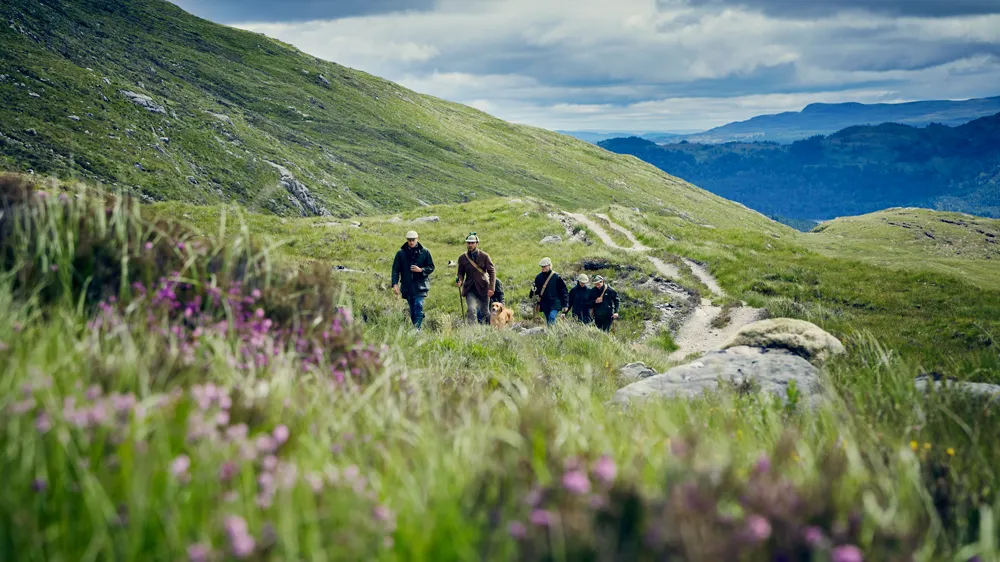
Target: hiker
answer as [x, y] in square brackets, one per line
[578, 303]
[476, 280]
[604, 303]
[550, 290]
[410, 269]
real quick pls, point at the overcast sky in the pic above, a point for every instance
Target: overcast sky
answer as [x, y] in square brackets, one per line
[645, 65]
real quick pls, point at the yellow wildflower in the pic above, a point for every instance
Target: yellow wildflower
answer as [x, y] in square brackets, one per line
[927, 446]
[914, 445]
[951, 452]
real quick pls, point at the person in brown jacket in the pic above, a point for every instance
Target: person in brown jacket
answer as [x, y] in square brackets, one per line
[476, 280]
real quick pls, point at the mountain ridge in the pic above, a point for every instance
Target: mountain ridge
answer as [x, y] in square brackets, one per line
[790, 126]
[857, 170]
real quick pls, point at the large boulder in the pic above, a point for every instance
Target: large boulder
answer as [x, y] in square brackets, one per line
[802, 338]
[767, 370]
[554, 239]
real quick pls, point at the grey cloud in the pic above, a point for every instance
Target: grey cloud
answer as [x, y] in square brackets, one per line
[814, 8]
[229, 11]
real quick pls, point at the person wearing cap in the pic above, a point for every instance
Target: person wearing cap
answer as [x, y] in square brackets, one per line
[411, 269]
[550, 290]
[579, 300]
[604, 303]
[476, 280]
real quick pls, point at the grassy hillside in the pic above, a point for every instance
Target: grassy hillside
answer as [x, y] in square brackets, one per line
[851, 172]
[917, 240]
[227, 104]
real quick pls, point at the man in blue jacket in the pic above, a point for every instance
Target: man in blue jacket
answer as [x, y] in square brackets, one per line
[410, 269]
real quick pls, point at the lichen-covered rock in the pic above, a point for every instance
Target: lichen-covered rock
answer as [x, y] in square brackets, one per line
[551, 240]
[144, 101]
[797, 336]
[324, 80]
[739, 367]
[975, 389]
[300, 197]
[636, 371]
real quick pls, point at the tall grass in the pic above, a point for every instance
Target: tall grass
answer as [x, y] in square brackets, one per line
[125, 436]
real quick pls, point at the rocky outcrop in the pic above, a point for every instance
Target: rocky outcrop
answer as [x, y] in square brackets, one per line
[144, 101]
[550, 240]
[427, 219]
[636, 371]
[740, 368]
[299, 193]
[802, 338]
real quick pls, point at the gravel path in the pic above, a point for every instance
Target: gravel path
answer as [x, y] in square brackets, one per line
[696, 335]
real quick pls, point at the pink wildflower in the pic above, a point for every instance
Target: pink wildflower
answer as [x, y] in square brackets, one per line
[43, 423]
[576, 482]
[198, 553]
[179, 467]
[846, 553]
[758, 528]
[541, 518]
[281, 434]
[149, 245]
[813, 536]
[518, 530]
[605, 469]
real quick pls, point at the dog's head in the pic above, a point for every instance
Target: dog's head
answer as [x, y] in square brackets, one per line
[497, 307]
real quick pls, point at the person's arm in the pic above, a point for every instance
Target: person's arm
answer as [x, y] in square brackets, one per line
[460, 273]
[615, 302]
[429, 268]
[395, 270]
[563, 294]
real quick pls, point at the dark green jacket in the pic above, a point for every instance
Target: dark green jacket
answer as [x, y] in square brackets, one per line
[579, 300]
[555, 297]
[410, 283]
[609, 305]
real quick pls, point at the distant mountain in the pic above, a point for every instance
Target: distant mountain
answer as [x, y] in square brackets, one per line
[825, 118]
[598, 136]
[854, 171]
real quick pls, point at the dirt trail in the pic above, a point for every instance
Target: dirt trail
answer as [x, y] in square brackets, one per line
[696, 335]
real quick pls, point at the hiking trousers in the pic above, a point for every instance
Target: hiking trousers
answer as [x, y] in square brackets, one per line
[477, 308]
[416, 303]
[604, 322]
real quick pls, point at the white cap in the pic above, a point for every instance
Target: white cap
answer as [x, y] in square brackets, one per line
[545, 262]
[411, 235]
[472, 238]
[583, 278]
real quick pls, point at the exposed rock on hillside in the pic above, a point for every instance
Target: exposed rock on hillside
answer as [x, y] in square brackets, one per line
[300, 195]
[144, 101]
[977, 389]
[744, 368]
[550, 240]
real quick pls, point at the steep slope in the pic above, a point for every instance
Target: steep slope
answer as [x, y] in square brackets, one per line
[854, 171]
[145, 95]
[825, 118]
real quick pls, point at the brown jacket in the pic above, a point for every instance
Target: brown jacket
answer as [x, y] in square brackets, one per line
[482, 284]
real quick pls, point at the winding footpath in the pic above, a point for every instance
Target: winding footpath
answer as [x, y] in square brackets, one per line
[696, 334]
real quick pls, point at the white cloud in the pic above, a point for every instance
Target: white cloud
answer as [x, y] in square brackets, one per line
[664, 65]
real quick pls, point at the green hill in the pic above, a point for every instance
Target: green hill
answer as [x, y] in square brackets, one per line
[227, 107]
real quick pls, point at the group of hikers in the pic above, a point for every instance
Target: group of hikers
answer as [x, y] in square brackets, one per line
[477, 282]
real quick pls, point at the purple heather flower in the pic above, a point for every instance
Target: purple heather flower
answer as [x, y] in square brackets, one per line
[763, 464]
[198, 553]
[259, 313]
[179, 467]
[813, 537]
[235, 525]
[266, 444]
[242, 545]
[39, 485]
[23, 407]
[315, 482]
[605, 469]
[758, 528]
[227, 471]
[270, 463]
[93, 392]
[149, 245]
[54, 268]
[576, 482]
[255, 293]
[381, 513]
[541, 518]
[518, 530]
[281, 434]
[43, 423]
[846, 553]
[237, 432]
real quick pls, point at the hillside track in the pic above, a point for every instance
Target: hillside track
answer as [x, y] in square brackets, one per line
[696, 334]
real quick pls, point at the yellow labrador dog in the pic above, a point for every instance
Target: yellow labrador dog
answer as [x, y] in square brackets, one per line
[502, 316]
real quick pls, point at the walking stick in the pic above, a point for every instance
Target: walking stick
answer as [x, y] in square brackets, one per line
[461, 303]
